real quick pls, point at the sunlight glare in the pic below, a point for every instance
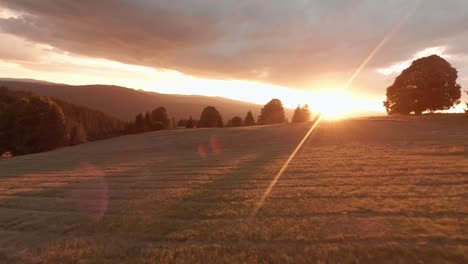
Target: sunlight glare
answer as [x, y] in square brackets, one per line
[6, 13]
[333, 105]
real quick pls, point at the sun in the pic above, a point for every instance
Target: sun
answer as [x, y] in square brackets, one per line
[334, 105]
[333, 114]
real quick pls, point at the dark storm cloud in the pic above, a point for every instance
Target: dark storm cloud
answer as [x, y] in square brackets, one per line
[294, 42]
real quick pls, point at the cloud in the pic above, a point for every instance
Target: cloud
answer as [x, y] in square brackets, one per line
[297, 43]
[400, 66]
[6, 13]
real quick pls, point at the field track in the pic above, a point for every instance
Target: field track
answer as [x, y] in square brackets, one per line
[376, 190]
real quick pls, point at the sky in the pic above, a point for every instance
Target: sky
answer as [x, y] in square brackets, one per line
[337, 56]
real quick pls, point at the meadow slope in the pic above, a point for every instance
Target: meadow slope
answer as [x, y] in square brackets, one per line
[381, 190]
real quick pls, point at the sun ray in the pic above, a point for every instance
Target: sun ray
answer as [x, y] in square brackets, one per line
[285, 166]
[386, 38]
[382, 43]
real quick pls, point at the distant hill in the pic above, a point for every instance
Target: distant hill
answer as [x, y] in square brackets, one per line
[125, 103]
[23, 80]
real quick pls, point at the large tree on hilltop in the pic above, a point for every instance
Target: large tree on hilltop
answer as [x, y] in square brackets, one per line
[429, 84]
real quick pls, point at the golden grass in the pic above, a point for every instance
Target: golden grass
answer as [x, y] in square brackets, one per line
[383, 190]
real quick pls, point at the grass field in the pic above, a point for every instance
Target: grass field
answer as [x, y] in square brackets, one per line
[376, 190]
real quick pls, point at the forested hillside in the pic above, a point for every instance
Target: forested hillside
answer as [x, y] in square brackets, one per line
[30, 123]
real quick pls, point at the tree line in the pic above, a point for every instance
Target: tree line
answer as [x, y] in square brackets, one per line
[31, 123]
[158, 119]
[210, 117]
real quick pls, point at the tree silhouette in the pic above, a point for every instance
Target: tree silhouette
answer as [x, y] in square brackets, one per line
[190, 123]
[236, 121]
[249, 119]
[301, 114]
[140, 123]
[429, 84]
[34, 124]
[466, 103]
[160, 118]
[96, 125]
[173, 123]
[31, 123]
[272, 113]
[210, 117]
[52, 129]
[148, 122]
[77, 135]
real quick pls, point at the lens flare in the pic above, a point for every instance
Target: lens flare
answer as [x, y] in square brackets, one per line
[285, 166]
[91, 194]
[215, 145]
[387, 37]
[202, 151]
